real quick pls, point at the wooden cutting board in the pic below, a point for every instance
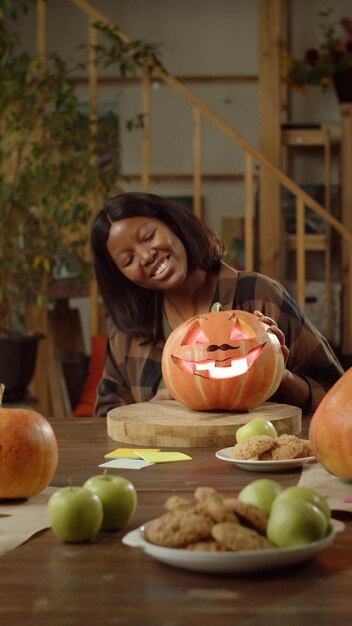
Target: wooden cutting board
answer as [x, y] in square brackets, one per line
[168, 423]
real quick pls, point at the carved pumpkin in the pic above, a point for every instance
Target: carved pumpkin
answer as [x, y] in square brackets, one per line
[330, 429]
[28, 453]
[222, 360]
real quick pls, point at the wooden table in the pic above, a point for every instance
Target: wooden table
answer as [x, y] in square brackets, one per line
[45, 581]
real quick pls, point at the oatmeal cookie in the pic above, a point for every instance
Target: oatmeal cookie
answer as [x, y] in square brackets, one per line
[174, 503]
[287, 447]
[249, 514]
[205, 492]
[210, 502]
[177, 529]
[216, 510]
[252, 448]
[236, 537]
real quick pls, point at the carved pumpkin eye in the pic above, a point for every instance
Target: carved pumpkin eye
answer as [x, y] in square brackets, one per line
[195, 336]
[241, 331]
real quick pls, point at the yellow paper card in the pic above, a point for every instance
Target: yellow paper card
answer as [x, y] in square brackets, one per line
[128, 453]
[163, 457]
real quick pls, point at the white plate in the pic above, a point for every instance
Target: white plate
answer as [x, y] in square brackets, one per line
[262, 466]
[231, 562]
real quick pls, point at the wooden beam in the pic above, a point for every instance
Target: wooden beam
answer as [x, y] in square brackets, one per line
[145, 156]
[249, 213]
[199, 79]
[346, 217]
[197, 162]
[270, 118]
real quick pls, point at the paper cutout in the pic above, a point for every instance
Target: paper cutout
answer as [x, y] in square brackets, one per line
[126, 464]
[164, 457]
[337, 492]
[20, 519]
[128, 453]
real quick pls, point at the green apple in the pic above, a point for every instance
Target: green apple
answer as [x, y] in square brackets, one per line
[261, 492]
[256, 426]
[75, 514]
[309, 495]
[118, 497]
[295, 522]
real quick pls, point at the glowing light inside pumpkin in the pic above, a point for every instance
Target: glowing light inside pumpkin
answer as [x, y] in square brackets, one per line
[195, 336]
[238, 333]
[237, 367]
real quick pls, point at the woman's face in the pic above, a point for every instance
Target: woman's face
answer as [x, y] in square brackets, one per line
[147, 252]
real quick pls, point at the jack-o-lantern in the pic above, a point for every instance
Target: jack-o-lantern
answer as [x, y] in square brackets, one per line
[226, 360]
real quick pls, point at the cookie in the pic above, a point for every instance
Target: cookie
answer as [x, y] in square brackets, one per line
[215, 509]
[177, 529]
[248, 514]
[205, 492]
[252, 448]
[287, 447]
[236, 537]
[210, 502]
[174, 503]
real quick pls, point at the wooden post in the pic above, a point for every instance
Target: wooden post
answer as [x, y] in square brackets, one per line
[301, 252]
[41, 32]
[37, 319]
[249, 213]
[145, 130]
[272, 13]
[197, 161]
[346, 218]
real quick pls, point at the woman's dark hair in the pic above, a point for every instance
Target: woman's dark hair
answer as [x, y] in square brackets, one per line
[134, 310]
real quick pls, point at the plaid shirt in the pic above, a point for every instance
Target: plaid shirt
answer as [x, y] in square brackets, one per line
[132, 372]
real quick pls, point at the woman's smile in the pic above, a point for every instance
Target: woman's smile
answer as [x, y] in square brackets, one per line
[147, 252]
[160, 267]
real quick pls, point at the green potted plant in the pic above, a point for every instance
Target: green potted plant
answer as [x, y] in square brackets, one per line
[328, 63]
[53, 175]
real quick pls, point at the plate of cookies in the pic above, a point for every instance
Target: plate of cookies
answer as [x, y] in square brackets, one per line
[263, 453]
[217, 534]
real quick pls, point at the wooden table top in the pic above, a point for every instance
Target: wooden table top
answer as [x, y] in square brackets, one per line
[105, 582]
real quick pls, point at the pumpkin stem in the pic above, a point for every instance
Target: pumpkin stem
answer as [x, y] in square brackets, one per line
[2, 389]
[216, 307]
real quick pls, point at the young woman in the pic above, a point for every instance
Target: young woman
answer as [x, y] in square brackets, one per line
[157, 265]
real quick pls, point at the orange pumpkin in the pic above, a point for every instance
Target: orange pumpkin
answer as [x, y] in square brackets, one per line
[330, 429]
[28, 453]
[222, 360]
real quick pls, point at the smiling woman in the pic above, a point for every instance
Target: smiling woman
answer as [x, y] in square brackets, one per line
[157, 265]
[147, 252]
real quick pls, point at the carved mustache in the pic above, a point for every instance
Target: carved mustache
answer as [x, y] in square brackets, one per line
[224, 346]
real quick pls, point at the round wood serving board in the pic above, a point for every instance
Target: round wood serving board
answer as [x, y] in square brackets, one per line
[167, 424]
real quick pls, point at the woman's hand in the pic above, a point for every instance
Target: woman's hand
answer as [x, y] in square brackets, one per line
[293, 389]
[276, 331]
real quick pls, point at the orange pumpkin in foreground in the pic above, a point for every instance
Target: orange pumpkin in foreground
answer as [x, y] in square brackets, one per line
[330, 429]
[226, 360]
[28, 453]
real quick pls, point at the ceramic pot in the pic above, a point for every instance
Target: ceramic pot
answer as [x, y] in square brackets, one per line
[18, 354]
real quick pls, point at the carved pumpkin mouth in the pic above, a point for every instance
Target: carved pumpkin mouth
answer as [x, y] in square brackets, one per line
[227, 368]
